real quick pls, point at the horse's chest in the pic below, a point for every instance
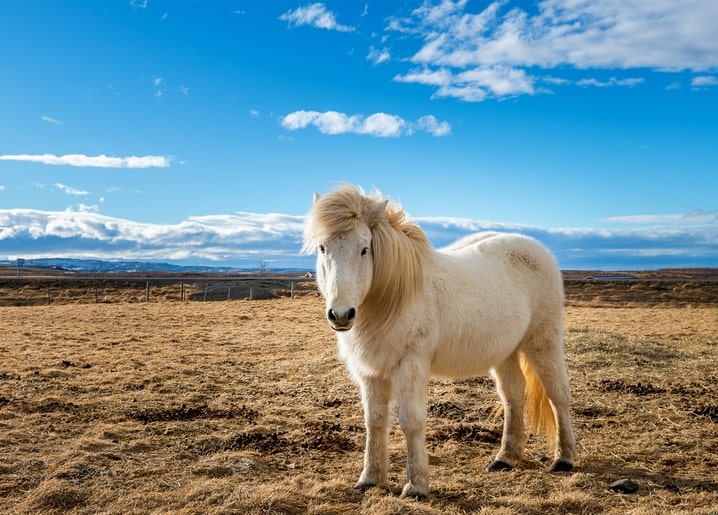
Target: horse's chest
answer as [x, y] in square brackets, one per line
[375, 357]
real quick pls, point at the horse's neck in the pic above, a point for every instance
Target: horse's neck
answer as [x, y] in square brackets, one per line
[400, 287]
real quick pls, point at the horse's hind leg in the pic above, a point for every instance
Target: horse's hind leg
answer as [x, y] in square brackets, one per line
[510, 385]
[376, 395]
[550, 367]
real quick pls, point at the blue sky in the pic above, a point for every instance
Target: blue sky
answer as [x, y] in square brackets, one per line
[197, 132]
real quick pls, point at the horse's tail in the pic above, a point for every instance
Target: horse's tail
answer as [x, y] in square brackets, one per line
[538, 409]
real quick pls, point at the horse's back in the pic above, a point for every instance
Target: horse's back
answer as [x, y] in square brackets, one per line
[514, 250]
[523, 261]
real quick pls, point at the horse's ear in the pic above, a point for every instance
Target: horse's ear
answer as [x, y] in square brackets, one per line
[376, 210]
[316, 197]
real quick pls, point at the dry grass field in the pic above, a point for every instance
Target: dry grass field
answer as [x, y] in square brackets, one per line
[242, 407]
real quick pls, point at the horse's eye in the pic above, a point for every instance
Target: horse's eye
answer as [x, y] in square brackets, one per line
[364, 251]
[321, 249]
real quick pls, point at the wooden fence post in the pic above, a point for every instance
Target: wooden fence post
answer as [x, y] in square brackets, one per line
[147, 292]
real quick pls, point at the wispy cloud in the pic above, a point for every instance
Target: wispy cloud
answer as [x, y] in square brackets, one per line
[430, 124]
[315, 15]
[158, 83]
[694, 217]
[70, 190]
[377, 56]
[51, 120]
[85, 233]
[503, 50]
[473, 85]
[610, 82]
[381, 125]
[101, 161]
[704, 80]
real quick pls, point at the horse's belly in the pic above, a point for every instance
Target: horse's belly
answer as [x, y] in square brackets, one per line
[467, 357]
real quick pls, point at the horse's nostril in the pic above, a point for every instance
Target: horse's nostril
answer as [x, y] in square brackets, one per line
[342, 317]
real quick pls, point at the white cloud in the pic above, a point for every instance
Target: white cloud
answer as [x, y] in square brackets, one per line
[610, 82]
[384, 126]
[84, 233]
[51, 120]
[694, 217]
[503, 49]
[649, 247]
[704, 80]
[88, 208]
[101, 161]
[377, 56]
[430, 124]
[315, 15]
[473, 85]
[379, 125]
[70, 190]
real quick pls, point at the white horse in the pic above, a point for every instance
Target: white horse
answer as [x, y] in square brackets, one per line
[403, 311]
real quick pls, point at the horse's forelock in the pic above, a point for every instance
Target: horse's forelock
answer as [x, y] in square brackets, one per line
[340, 212]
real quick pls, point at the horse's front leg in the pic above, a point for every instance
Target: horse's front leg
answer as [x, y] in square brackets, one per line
[376, 395]
[411, 397]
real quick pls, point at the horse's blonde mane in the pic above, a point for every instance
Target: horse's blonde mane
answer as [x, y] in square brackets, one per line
[400, 248]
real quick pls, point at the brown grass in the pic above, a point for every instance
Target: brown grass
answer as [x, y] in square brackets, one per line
[242, 407]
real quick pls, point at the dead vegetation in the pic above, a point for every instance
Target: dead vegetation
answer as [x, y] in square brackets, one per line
[242, 407]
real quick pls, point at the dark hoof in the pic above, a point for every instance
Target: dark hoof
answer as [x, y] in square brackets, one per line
[363, 487]
[561, 466]
[417, 497]
[624, 486]
[498, 466]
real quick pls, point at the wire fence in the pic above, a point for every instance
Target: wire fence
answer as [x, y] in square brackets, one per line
[29, 291]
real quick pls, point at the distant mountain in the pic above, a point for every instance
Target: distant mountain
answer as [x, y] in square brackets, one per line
[98, 266]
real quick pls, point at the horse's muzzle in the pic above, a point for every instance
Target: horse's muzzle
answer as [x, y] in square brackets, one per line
[341, 319]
